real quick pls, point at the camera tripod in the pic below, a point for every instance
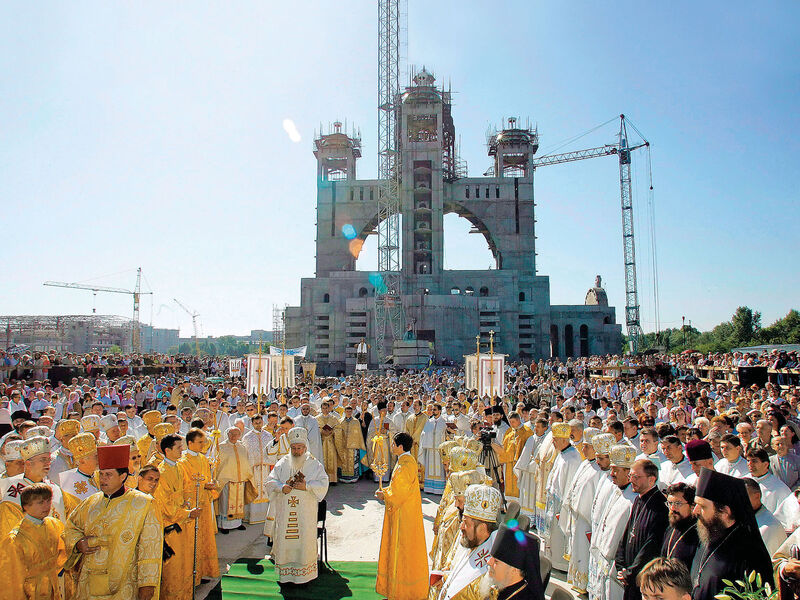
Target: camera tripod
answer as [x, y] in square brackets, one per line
[489, 461]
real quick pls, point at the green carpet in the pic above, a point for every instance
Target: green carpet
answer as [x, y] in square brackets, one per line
[252, 578]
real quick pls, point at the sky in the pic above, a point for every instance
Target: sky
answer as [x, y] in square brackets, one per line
[152, 135]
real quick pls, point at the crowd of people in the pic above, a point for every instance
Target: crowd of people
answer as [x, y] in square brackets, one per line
[118, 480]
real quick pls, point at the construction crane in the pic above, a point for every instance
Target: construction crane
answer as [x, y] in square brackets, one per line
[623, 150]
[194, 315]
[388, 293]
[137, 293]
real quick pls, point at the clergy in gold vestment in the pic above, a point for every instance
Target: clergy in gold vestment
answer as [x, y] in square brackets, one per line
[176, 576]
[414, 426]
[118, 532]
[32, 555]
[507, 455]
[151, 418]
[235, 478]
[349, 447]
[196, 470]
[403, 561]
[328, 424]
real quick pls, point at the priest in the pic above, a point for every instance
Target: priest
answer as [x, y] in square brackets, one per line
[576, 523]
[463, 581]
[525, 468]
[81, 482]
[731, 545]
[327, 425]
[350, 447]
[256, 441]
[514, 565]
[402, 562]
[118, 533]
[296, 486]
[513, 444]
[606, 537]
[234, 477]
[565, 465]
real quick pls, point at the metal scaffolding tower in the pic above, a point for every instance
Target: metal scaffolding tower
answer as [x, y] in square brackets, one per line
[388, 293]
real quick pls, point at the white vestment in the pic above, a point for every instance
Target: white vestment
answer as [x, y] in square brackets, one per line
[468, 565]
[671, 473]
[736, 469]
[558, 482]
[779, 500]
[432, 435]
[606, 536]
[576, 521]
[525, 470]
[311, 425]
[772, 531]
[294, 546]
[256, 443]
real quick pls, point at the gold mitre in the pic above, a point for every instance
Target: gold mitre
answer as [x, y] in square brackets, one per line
[463, 459]
[445, 447]
[482, 502]
[38, 431]
[82, 445]
[125, 440]
[68, 427]
[151, 417]
[90, 423]
[11, 450]
[623, 455]
[472, 444]
[161, 430]
[461, 480]
[603, 442]
[34, 447]
[589, 433]
[561, 430]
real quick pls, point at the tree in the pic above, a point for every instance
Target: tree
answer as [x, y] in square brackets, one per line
[746, 324]
[115, 349]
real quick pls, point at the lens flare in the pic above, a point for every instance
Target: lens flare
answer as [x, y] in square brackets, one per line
[291, 130]
[355, 247]
[348, 231]
[512, 523]
[376, 279]
[520, 537]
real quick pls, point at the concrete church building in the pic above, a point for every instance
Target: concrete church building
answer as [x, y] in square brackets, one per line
[445, 307]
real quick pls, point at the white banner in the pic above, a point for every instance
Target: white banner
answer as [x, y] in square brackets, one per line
[258, 374]
[282, 371]
[301, 351]
[492, 375]
[235, 367]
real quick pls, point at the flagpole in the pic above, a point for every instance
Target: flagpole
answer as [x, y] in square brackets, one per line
[258, 383]
[491, 363]
[478, 361]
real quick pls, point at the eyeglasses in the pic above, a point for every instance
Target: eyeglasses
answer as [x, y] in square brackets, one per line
[676, 504]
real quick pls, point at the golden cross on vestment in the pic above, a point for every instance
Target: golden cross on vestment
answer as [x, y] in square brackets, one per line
[293, 501]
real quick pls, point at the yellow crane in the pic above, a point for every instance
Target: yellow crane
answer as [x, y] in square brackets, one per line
[194, 315]
[136, 293]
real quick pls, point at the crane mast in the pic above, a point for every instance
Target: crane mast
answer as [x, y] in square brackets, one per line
[623, 151]
[136, 293]
[194, 316]
[388, 292]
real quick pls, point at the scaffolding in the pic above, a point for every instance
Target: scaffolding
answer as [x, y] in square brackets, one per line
[66, 333]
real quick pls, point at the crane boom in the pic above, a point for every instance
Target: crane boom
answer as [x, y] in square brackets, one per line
[194, 316]
[136, 293]
[623, 150]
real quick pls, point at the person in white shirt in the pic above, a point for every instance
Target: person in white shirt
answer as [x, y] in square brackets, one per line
[772, 531]
[775, 494]
[733, 463]
[676, 468]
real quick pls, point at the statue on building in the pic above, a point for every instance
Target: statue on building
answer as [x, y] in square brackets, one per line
[596, 296]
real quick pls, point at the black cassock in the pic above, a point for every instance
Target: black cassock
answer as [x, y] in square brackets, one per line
[738, 552]
[643, 537]
[681, 542]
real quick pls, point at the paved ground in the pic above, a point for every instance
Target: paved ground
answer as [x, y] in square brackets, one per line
[355, 520]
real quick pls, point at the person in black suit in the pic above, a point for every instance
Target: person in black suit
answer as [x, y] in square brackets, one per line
[644, 533]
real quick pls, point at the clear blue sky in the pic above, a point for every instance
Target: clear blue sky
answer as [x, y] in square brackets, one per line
[150, 134]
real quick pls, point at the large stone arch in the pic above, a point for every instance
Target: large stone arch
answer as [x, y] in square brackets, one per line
[479, 224]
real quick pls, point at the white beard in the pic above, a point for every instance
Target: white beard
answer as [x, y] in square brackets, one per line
[297, 462]
[485, 588]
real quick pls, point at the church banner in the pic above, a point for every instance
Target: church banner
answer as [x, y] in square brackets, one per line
[299, 352]
[492, 375]
[235, 367]
[282, 371]
[258, 374]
